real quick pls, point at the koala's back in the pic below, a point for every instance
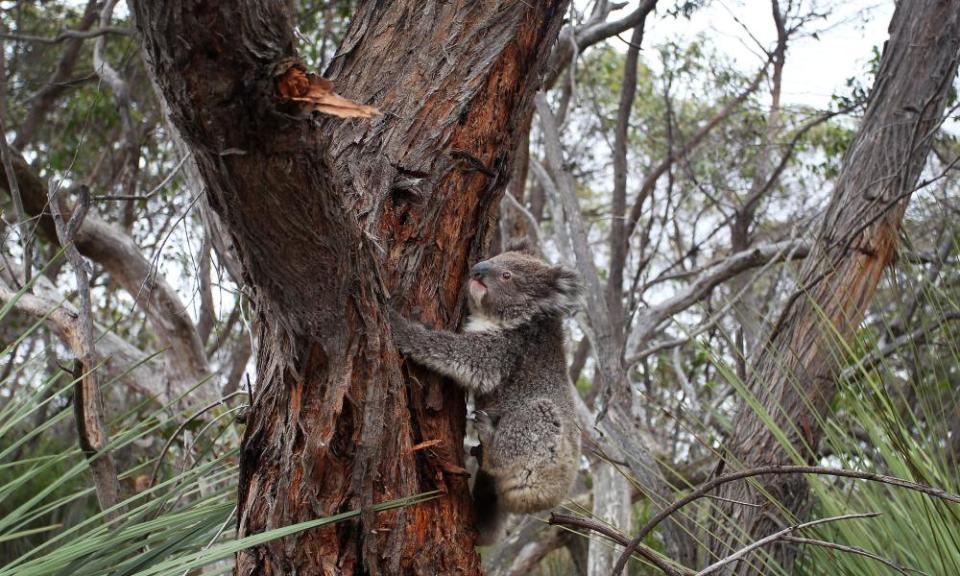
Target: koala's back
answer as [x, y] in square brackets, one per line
[535, 452]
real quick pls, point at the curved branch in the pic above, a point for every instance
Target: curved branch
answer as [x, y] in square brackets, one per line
[777, 536]
[118, 356]
[605, 530]
[652, 317]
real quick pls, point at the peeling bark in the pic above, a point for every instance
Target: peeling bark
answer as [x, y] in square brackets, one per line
[330, 218]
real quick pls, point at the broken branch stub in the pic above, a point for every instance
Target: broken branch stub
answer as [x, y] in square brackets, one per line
[314, 93]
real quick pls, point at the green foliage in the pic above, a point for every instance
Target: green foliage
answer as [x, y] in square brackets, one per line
[901, 419]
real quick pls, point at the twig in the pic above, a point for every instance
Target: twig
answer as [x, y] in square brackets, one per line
[852, 550]
[194, 416]
[26, 237]
[88, 402]
[776, 536]
[767, 255]
[916, 338]
[601, 528]
[163, 183]
[68, 34]
[121, 92]
[706, 487]
[534, 225]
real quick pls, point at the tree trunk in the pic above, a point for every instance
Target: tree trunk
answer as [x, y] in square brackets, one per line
[611, 505]
[331, 218]
[794, 377]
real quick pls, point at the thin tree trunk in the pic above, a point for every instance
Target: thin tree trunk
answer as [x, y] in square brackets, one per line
[331, 219]
[611, 505]
[794, 375]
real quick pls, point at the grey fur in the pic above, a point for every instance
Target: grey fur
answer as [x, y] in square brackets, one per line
[510, 355]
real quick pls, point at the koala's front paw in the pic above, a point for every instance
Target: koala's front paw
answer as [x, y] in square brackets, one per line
[485, 427]
[399, 326]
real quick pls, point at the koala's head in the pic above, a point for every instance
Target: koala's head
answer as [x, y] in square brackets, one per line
[515, 286]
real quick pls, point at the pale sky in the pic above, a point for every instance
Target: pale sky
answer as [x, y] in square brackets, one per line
[816, 68]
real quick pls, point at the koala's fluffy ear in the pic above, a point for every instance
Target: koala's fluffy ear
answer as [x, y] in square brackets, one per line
[520, 245]
[567, 287]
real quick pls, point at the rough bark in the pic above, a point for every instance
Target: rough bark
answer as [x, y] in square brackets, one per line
[794, 377]
[329, 218]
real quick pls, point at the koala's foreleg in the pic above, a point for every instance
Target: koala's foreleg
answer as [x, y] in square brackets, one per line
[475, 360]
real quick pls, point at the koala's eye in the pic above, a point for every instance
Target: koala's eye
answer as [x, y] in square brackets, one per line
[505, 275]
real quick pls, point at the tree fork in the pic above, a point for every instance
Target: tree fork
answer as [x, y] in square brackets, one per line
[330, 217]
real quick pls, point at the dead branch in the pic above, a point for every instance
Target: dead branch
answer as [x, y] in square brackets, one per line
[136, 371]
[45, 98]
[650, 181]
[651, 318]
[915, 338]
[600, 528]
[88, 402]
[615, 417]
[120, 255]
[26, 235]
[850, 550]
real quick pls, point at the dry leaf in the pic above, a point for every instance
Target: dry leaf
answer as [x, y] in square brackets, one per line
[316, 94]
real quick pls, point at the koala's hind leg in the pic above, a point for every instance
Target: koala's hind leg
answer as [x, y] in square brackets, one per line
[532, 458]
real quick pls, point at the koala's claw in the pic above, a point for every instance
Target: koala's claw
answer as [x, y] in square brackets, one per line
[484, 424]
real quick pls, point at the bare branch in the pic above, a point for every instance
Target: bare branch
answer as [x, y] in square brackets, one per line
[915, 338]
[531, 220]
[851, 550]
[651, 318]
[26, 235]
[618, 243]
[69, 35]
[44, 99]
[600, 528]
[646, 188]
[88, 402]
[119, 254]
[617, 401]
[119, 357]
[163, 184]
[594, 31]
[121, 93]
[776, 536]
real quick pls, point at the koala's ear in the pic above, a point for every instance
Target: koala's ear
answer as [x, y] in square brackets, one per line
[566, 281]
[520, 245]
[567, 286]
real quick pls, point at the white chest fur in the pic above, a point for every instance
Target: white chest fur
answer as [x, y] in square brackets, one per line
[478, 323]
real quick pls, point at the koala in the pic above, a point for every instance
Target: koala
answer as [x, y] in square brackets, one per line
[510, 355]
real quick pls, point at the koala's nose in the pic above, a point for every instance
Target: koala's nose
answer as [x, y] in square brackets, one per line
[480, 269]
